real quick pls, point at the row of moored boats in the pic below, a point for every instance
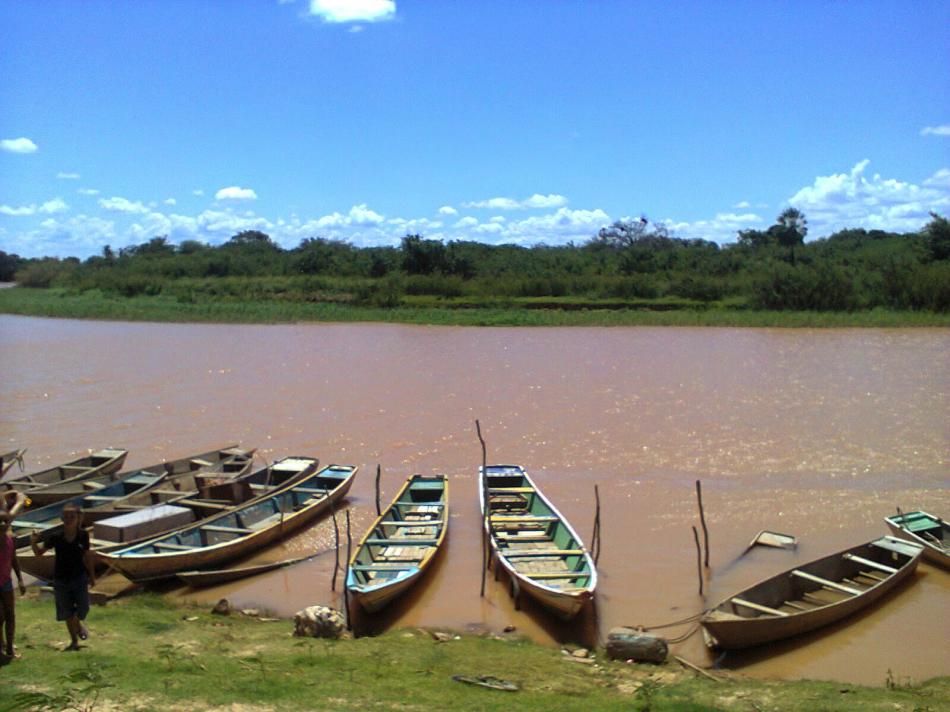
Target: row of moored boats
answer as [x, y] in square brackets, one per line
[189, 517]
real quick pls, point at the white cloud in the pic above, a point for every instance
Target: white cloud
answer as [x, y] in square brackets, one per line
[742, 205]
[853, 199]
[170, 201]
[88, 191]
[535, 201]
[18, 145]
[353, 10]
[363, 216]
[943, 130]
[68, 176]
[448, 210]
[198, 192]
[122, 205]
[467, 221]
[56, 205]
[355, 29]
[234, 192]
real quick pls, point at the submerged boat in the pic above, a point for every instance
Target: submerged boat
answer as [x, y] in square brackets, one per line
[811, 595]
[101, 462]
[214, 577]
[931, 532]
[401, 543]
[239, 531]
[104, 496]
[533, 542]
[8, 459]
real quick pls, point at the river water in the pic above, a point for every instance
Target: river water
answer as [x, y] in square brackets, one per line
[817, 433]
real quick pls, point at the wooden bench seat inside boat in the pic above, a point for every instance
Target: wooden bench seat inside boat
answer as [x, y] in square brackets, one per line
[872, 564]
[402, 542]
[417, 523]
[101, 497]
[172, 547]
[310, 490]
[559, 575]
[518, 518]
[523, 553]
[226, 530]
[383, 566]
[92, 485]
[512, 490]
[736, 601]
[825, 582]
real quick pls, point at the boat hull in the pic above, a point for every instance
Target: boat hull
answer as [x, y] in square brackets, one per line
[729, 631]
[932, 554]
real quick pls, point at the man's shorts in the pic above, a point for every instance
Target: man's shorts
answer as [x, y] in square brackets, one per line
[72, 598]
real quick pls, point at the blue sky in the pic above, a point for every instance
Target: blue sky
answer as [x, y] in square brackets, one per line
[519, 122]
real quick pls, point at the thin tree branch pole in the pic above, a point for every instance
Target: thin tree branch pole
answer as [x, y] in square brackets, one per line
[336, 529]
[378, 472]
[595, 537]
[702, 520]
[346, 590]
[486, 504]
[699, 560]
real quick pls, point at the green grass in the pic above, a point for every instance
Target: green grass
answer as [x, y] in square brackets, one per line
[428, 310]
[157, 656]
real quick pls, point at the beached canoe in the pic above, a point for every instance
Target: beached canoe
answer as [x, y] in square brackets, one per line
[401, 543]
[931, 532]
[104, 496]
[102, 462]
[533, 542]
[214, 577]
[8, 459]
[239, 531]
[811, 595]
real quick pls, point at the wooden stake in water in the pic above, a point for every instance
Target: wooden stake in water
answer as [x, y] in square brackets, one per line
[485, 514]
[336, 530]
[699, 560]
[346, 590]
[702, 520]
[378, 471]
[595, 537]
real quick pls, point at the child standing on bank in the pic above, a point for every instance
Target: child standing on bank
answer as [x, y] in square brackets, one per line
[8, 563]
[73, 572]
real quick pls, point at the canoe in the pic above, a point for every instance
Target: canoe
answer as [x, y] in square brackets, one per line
[811, 595]
[102, 462]
[533, 542]
[239, 531]
[931, 532]
[8, 459]
[162, 510]
[102, 497]
[401, 543]
[214, 577]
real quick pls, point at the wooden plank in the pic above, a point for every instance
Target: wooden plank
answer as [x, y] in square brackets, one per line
[564, 575]
[512, 490]
[797, 606]
[384, 567]
[873, 564]
[226, 530]
[174, 547]
[540, 552]
[825, 582]
[101, 498]
[402, 542]
[419, 523]
[758, 607]
[502, 519]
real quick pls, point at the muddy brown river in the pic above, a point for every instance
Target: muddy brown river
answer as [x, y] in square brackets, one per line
[817, 433]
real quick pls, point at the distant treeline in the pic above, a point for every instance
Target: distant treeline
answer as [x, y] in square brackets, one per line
[628, 262]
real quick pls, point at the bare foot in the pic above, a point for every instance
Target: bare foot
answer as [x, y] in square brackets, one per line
[83, 632]
[71, 646]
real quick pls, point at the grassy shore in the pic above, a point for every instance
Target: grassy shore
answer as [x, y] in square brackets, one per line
[513, 312]
[145, 654]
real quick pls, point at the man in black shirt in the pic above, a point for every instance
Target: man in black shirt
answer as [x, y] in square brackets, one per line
[74, 572]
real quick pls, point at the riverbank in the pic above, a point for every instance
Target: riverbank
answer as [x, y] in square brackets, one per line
[144, 653]
[447, 312]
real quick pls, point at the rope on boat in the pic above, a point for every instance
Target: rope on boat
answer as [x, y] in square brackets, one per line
[690, 619]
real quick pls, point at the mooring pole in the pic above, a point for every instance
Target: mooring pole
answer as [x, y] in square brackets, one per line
[702, 520]
[699, 560]
[346, 590]
[595, 537]
[336, 530]
[378, 512]
[486, 505]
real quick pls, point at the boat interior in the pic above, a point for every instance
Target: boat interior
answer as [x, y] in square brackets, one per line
[407, 533]
[822, 583]
[928, 527]
[530, 535]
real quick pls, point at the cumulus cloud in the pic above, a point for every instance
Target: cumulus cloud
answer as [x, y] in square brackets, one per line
[448, 210]
[122, 205]
[88, 191]
[234, 192]
[338, 11]
[170, 201]
[742, 205]
[18, 145]
[56, 205]
[535, 201]
[198, 192]
[943, 130]
[363, 216]
[855, 200]
[467, 221]
[68, 176]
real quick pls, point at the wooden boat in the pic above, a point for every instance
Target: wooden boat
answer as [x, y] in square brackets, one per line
[401, 543]
[102, 462]
[534, 543]
[8, 459]
[931, 532]
[101, 497]
[162, 510]
[198, 579]
[238, 531]
[811, 595]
